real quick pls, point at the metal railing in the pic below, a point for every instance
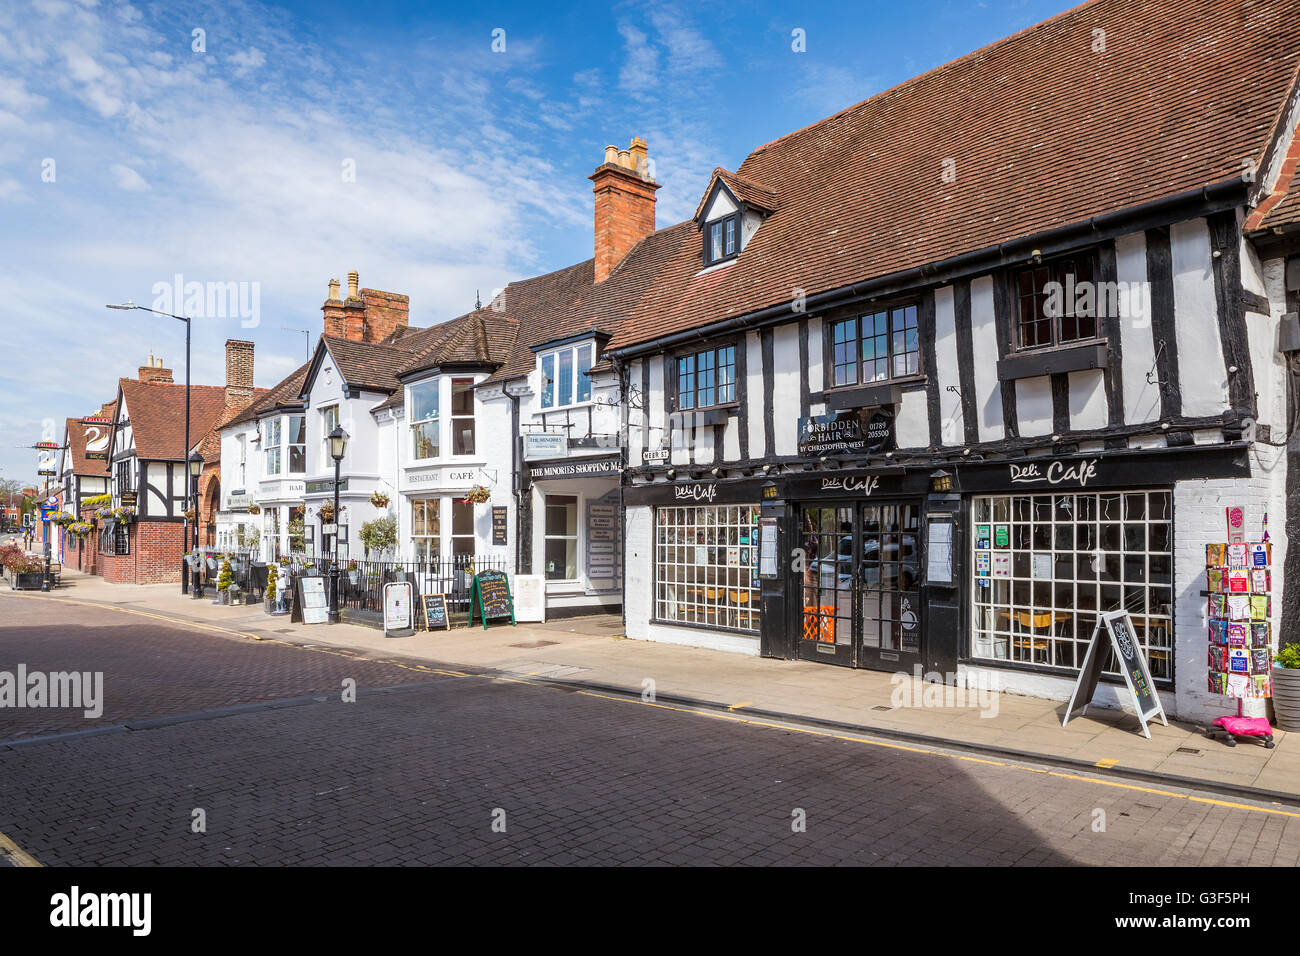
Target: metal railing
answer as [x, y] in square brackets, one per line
[361, 582]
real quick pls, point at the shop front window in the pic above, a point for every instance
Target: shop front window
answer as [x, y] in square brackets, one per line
[561, 538]
[426, 525]
[706, 566]
[1045, 566]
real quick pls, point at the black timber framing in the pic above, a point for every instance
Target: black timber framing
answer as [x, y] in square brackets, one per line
[1108, 271]
[925, 323]
[1225, 246]
[766, 338]
[1004, 322]
[1160, 275]
[965, 361]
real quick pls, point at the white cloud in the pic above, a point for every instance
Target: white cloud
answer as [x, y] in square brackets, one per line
[128, 179]
[248, 60]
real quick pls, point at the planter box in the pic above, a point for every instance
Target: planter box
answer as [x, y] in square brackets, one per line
[1286, 697]
[27, 581]
[224, 597]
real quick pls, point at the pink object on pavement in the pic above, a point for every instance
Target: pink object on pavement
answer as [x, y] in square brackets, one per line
[1245, 726]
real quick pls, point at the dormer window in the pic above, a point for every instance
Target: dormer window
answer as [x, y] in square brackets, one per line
[722, 239]
[566, 376]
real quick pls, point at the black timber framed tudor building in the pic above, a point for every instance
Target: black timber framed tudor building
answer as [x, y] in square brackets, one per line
[937, 380]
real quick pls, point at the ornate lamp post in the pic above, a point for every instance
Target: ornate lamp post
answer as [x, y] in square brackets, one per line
[195, 463]
[338, 439]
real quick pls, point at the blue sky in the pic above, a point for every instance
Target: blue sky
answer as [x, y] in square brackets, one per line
[228, 165]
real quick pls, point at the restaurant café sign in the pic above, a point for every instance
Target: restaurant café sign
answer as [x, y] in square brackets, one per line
[857, 434]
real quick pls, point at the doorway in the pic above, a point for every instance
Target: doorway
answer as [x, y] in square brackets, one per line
[860, 601]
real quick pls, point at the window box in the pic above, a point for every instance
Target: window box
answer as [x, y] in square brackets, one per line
[1068, 358]
[871, 396]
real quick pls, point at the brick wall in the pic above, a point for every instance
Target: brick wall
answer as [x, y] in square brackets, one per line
[155, 558]
[625, 214]
[385, 313]
[239, 373]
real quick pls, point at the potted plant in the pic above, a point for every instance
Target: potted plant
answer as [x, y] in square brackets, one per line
[379, 535]
[1286, 687]
[379, 500]
[477, 495]
[224, 580]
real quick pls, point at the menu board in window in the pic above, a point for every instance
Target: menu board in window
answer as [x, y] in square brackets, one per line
[938, 549]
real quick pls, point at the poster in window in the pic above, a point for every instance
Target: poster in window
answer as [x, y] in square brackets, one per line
[1002, 565]
[1042, 566]
[1002, 536]
[982, 564]
[983, 536]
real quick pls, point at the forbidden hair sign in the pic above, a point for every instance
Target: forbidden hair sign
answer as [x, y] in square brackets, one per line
[1118, 627]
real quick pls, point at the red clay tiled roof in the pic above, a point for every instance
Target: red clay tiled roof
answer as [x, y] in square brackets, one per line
[285, 392]
[1286, 212]
[750, 193]
[157, 413]
[367, 365]
[1042, 132]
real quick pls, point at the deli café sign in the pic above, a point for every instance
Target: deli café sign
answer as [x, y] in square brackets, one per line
[846, 435]
[1055, 473]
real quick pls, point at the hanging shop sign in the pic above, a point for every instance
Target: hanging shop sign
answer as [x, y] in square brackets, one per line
[128, 499]
[500, 523]
[575, 468]
[851, 432]
[490, 596]
[1117, 626]
[541, 445]
[399, 606]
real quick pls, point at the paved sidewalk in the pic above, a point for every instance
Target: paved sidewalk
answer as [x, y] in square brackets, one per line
[590, 651]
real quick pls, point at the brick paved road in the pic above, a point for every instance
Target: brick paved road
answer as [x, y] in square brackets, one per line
[414, 775]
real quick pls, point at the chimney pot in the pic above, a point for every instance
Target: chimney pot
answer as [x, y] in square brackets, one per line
[625, 205]
[353, 281]
[334, 291]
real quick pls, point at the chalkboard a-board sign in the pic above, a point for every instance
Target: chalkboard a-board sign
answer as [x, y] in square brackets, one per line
[491, 597]
[1118, 627]
[435, 611]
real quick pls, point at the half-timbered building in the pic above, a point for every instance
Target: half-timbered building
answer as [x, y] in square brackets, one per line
[933, 382]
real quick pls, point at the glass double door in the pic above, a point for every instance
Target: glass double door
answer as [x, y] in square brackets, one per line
[860, 581]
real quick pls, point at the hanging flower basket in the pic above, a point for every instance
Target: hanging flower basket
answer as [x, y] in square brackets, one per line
[124, 514]
[103, 513]
[477, 495]
[81, 528]
[254, 509]
[327, 511]
[190, 514]
[379, 500]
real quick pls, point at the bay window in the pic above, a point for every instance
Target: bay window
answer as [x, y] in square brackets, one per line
[272, 434]
[425, 438]
[426, 525]
[462, 529]
[462, 416]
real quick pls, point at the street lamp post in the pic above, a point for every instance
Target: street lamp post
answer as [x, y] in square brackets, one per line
[127, 307]
[45, 490]
[195, 465]
[338, 439]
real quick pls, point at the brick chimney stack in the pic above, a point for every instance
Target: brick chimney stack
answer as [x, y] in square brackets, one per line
[625, 204]
[154, 372]
[366, 315]
[239, 373]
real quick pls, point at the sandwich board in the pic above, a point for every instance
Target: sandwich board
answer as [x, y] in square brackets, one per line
[491, 597]
[435, 612]
[398, 610]
[1118, 627]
